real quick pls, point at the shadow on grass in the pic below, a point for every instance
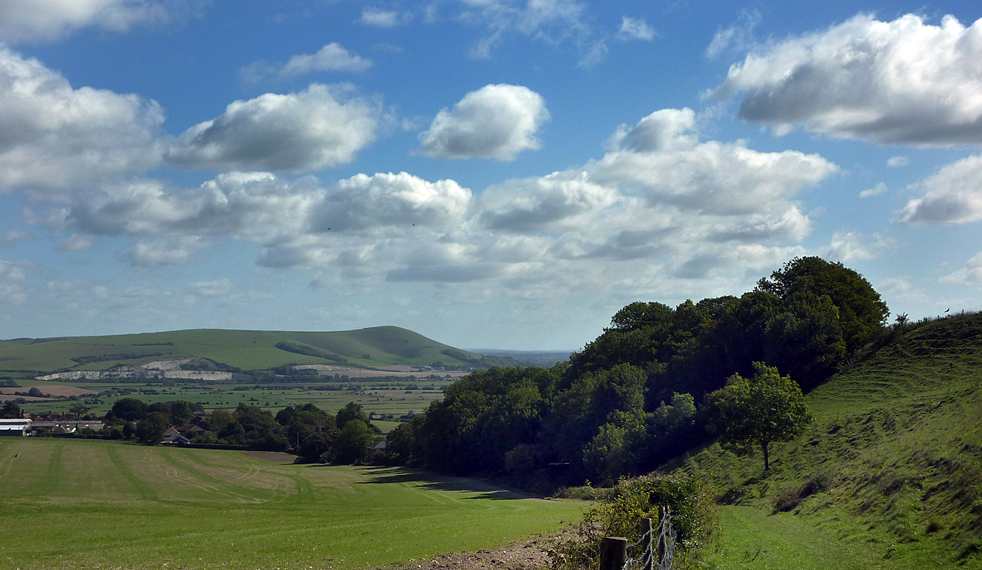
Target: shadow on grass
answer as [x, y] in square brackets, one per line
[435, 482]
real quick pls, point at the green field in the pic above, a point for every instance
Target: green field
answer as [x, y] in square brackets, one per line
[94, 504]
[385, 398]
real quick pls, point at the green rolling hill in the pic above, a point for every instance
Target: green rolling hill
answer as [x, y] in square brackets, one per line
[246, 350]
[891, 467]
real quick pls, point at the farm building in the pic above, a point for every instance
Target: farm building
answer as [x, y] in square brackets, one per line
[18, 428]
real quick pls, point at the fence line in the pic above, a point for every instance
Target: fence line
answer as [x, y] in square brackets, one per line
[657, 547]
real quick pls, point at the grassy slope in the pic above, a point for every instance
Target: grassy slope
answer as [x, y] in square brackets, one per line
[899, 437]
[243, 349]
[94, 504]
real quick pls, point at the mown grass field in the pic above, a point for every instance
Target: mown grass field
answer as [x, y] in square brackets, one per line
[99, 504]
[889, 474]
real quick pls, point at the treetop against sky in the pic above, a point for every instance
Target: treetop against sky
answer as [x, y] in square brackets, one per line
[496, 173]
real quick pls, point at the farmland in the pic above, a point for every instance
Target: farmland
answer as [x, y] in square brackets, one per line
[388, 398]
[95, 504]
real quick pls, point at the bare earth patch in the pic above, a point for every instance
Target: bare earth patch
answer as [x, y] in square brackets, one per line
[53, 391]
[529, 555]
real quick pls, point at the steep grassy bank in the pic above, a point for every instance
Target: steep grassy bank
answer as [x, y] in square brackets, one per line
[892, 462]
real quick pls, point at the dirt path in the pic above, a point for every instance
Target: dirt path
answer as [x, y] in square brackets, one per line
[529, 555]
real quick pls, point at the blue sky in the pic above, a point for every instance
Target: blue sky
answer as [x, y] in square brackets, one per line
[489, 173]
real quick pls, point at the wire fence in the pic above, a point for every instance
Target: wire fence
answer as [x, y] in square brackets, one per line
[655, 550]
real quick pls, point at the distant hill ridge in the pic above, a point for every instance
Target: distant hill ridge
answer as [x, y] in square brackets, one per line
[236, 349]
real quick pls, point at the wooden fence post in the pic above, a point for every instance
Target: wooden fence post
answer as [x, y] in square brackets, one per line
[613, 553]
[648, 558]
[660, 547]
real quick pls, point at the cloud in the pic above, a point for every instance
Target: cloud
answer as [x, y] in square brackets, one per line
[662, 160]
[661, 204]
[496, 121]
[305, 131]
[12, 236]
[54, 137]
[899, 82]
[595, 55]
[551, 21]
[78, 242]
[897, 161]
[217, 288]
[256, 206]
[548, 203]
[383, 18]
[13, 276]
[635, 29]
[331, 57]
[880, 188]
[164, 251]
[31, 20]
[737, 37]
[952, 196]
[970, 274]
[848, 247]
[902, 289]
[391, 200]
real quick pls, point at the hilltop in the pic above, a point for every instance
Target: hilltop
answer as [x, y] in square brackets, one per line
[234, 350]
[892, 462]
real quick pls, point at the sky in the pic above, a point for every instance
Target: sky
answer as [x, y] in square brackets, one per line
[489, 173]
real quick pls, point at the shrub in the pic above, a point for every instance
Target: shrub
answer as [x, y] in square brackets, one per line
[694, 519]
[790, 497]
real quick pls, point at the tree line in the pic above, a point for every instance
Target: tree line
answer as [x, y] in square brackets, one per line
[648, 387]
[313, 434]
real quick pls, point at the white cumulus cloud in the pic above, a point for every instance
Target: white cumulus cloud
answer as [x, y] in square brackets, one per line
[392, 200]
[970, 274]
[310, 130]
[331, 57]
[54, 137]
[30, 20]
[496, 121]
[951, 196]
[662, 160]
[899, 82]
[560, 200]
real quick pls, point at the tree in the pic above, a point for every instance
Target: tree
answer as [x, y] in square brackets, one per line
[150, 430]
[351, 443]
[78, 409]
[11, 410]
[861, 311]
[128, 409]
[757, 411]
[351, 411]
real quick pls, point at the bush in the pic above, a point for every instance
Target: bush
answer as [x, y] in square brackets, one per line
[788, 498]
[694, 519]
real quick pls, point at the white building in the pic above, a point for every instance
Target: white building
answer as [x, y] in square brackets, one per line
[15, 427]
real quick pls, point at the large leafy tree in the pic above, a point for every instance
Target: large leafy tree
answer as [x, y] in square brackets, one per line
[754, 412]
[861, 311]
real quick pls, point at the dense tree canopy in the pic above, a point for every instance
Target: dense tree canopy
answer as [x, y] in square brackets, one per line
[634, 397]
